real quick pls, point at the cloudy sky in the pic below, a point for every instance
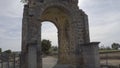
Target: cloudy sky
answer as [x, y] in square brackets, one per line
[104, 22]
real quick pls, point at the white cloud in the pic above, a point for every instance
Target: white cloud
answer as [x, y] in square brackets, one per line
[103, 19]
[11, 8]
[10, 24]
[105, 31]
[49, 32]
[10, 44]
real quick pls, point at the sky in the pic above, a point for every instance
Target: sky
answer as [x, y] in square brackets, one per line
[104, 21]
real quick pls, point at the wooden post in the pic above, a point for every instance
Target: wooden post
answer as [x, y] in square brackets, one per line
[20, 60]
[14, 61]
[8, 61]
[1, 64]
[8, 64]
[107, 59]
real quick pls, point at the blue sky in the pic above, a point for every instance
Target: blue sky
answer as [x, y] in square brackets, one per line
[104, 21]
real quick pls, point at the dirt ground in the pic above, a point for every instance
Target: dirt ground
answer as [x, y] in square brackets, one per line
[49, 62]
[114, 62]
[112, 58]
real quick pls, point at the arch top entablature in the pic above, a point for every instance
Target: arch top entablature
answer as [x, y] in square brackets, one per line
[65, 8]
[72, 11]
[70, 2]
[75, 14]
[56, 16]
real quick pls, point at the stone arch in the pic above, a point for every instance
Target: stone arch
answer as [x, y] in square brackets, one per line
[60, 18]
[59, 9]
[76, 51]
[66, 7]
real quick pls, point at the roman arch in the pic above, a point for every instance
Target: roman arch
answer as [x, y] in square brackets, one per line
[75, 49]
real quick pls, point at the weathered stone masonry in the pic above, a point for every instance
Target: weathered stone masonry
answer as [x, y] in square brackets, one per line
[75, 49]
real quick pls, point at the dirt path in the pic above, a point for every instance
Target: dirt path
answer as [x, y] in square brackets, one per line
[49, 62]
[115, 62]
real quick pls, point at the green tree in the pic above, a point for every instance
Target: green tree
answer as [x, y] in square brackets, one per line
[8, 51]
[46, 45]
[115, 46]
[54, 48]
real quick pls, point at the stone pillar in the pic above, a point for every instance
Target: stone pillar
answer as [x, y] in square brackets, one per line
[24, 28]
[66, 56]
[91, 55]
[24, 37]
[32, 56]
[63, 57]
[79, 37]
[39, 49]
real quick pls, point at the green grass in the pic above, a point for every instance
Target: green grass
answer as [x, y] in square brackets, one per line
[101, 51]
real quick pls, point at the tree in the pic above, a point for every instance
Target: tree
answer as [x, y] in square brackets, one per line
[46, 45]
[54, 48]
[8, 51]
[115, 46]
[108, 48]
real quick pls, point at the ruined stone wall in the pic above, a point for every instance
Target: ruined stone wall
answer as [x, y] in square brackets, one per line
[73, 33]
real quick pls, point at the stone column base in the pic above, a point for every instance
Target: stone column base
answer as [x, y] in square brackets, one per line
[91, 55]
[63, 66]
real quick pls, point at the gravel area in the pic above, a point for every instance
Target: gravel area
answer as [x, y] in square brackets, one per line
[49, 62]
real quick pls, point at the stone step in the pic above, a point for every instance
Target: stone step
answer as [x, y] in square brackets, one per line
[62, 66]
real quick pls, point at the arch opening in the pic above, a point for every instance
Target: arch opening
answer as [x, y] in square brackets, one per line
[61, 19]
[49, 32]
